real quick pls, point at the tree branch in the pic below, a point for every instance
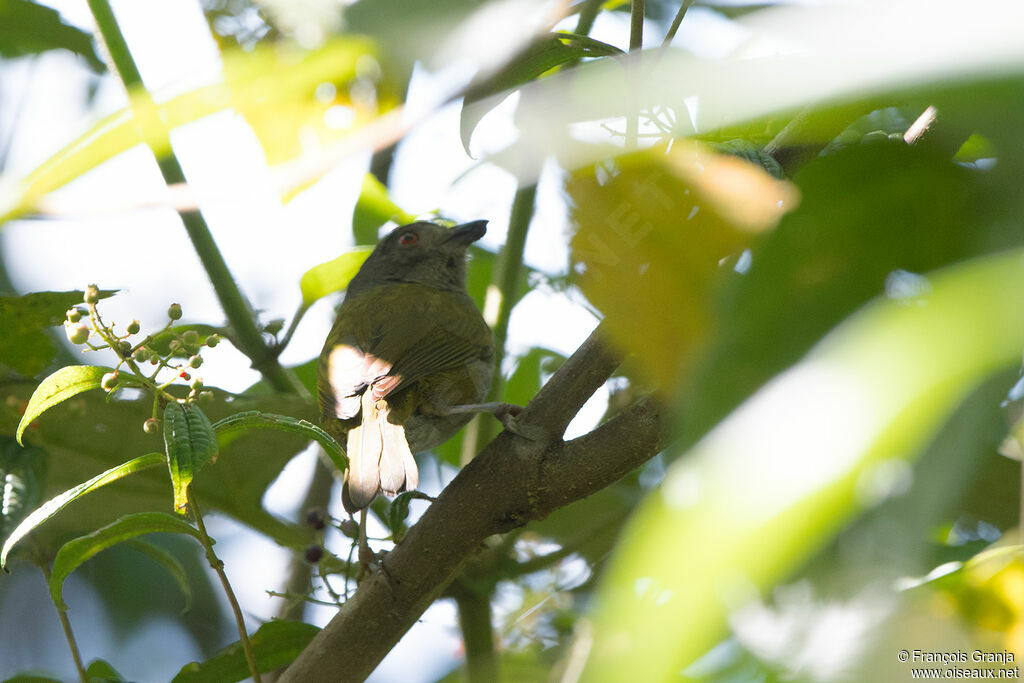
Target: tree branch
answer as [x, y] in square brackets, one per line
[513, 481]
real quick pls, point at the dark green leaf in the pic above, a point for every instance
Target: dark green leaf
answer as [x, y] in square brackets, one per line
[398, 511]
[55, 505]
[24, 346]
[60, 386]
[29, 28]
[191, 444]
[275, 644]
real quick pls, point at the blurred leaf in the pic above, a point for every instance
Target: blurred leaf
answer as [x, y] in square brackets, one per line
[829, 68]
[55, 505]
[542, 55]
[273, 87]
[22, 477]
[332, 276]
[531, 368]
[253, 419]
[75, 552]
[170, 564]
[125, 574]
[100, 671]
[834, 253]
[276, 643]
[373, 209]
[60, 386]
[756, 496]
[28, 28]
[191, 444]
[23, 345]
[651, 234]
[31, 678]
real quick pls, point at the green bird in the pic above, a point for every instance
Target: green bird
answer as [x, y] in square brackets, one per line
[408, 360]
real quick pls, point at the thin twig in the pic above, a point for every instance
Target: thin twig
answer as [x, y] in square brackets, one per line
[65, 623]
[218, 567]
[676, 22]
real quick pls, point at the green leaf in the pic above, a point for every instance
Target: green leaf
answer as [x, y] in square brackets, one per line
[398, 512]
[24, 346]
[31, 678]
[22, 475]
[781, 474]
[55, 505]
[254, 419]
[191, 444]
[373, 209]
[275, 644]
[60, 386]
[77, 551]
[100, 671]
[544, 54]
[332, 276]
[28, 28]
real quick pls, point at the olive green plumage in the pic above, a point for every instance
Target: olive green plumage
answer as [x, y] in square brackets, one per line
[407, 345]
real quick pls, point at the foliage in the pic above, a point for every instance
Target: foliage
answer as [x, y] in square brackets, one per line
[817, 276]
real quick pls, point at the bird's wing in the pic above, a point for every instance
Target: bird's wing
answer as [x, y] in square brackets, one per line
[373, 345]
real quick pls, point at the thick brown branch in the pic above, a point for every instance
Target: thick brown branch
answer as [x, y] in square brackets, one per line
[513, 481]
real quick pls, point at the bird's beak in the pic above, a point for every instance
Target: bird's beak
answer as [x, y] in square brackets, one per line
[465, 234]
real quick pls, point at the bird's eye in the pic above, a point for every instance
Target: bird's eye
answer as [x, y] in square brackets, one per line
[408, 239]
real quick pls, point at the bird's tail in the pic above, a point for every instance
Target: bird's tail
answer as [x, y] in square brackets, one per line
[379, 458]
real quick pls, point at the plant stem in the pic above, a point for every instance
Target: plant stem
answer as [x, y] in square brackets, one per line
[676, 22]
[588, 13]
[636, 40]
[236, 307]
[65, 623]
[218, 567]
[477, 633]
[502, 296]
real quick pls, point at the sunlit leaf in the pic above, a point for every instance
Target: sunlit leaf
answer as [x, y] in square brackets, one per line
[275, 644]
[373, 209]
[60, 386]
[55, 505]
[274, 87]
[253, 419]
[332, 276]
[780, 475]
[191, 444]
[652, 230]
[77, 551]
